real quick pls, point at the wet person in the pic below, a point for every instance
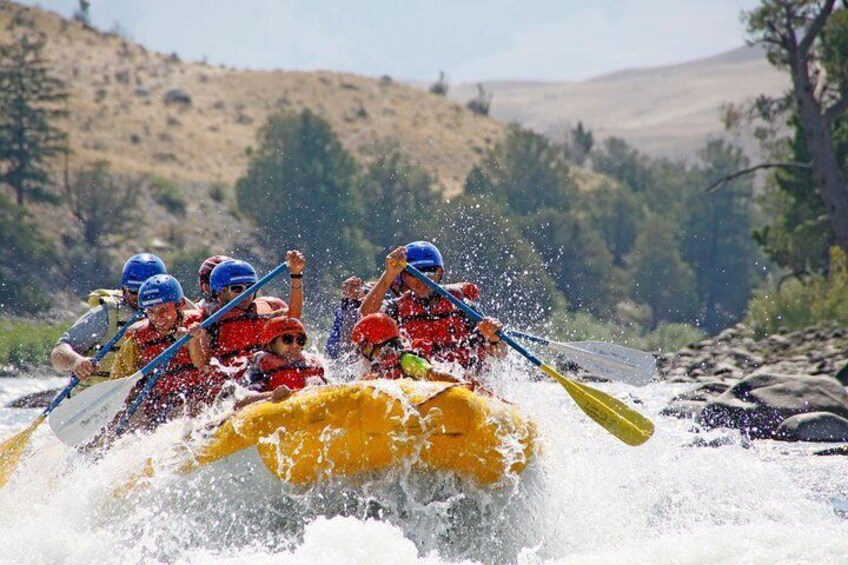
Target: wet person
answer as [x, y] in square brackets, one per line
[282, 367]
[378, 340]
[345, 317]
[110, 310]
[233, 339]
[433, 325]
[203, 274]
[179, 388]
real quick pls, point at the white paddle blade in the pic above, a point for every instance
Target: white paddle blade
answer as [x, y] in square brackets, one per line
[80, 417]
[611, 360]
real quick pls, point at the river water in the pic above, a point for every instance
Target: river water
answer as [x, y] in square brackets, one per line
[686, 496]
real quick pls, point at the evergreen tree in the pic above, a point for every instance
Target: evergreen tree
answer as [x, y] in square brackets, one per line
[31, 100]
[527, 173]
[622, 162]
[808, 39]
[301, 190]
[24, 257]
[481, 103]
[617, 213]
[661, 278]
[581, 144]
[717, 240]
[401, 197]
[575, 255]
[796, 236]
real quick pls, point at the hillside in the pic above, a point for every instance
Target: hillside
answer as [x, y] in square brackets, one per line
[118, 109]
[668, 110]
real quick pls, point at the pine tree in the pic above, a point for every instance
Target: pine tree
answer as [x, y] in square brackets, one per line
[301, 190]
[661, 278]
[717, 241]
[31, 100]
[403, 197]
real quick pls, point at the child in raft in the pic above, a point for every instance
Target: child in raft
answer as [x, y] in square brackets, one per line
[377, 338]
[282, 367]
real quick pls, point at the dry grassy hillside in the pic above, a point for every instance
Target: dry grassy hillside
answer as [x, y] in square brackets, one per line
[667, 110]
[118, 109]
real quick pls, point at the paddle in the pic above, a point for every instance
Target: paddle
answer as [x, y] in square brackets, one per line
[614, 415]
[13, 448]
[85, 414]
[608, 360]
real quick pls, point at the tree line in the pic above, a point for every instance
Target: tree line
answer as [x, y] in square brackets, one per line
[647, 235]
[647, 244]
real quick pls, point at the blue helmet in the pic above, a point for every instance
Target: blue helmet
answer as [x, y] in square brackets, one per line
[159, 289]
[423, 255]
[139, 268]
[229, 273]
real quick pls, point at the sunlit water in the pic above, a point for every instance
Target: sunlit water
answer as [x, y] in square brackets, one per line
[587, 498]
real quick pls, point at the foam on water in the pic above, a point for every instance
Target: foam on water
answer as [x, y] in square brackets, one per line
[587, 498]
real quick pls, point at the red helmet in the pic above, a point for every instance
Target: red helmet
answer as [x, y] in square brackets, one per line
[277, 326]
[207, 266]
[374, 329]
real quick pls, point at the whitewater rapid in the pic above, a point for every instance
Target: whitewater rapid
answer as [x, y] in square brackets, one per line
[586, 498]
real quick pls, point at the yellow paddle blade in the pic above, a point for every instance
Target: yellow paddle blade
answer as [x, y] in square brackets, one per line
[614, 415]
[13, 449]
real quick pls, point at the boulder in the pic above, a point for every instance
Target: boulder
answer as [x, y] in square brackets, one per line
[815, 426]
[690, 404]
[35, 400]
[758, 404]
[177, 96]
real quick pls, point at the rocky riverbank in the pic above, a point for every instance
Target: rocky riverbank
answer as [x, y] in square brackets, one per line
[788, 386]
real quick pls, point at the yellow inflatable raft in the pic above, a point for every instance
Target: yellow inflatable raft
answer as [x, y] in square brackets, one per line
[358, 428]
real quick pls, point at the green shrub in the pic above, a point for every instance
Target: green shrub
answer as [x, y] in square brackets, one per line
[580, 326]
[168, 194]
[216, 193]
[799, 304]
[25, 343]
[671, 337]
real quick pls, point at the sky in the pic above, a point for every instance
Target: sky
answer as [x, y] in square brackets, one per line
[471, 40]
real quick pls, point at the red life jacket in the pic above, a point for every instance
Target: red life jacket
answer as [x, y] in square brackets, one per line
[180, 374]
[438, 330]
[238, 333]
[277, 371]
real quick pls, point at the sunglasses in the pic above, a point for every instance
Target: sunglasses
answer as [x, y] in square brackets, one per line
[237, 288]
[429, 272]
[132, 291]
[289, 339]
[369, 350]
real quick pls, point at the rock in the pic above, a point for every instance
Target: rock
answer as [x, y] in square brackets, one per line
[683, 409]
[778, 342]
[177, 96]
[727, 335]
[35, 400]
[690, 404]
[815, 426]
[758, 404]
[719, 442]
[842, 375]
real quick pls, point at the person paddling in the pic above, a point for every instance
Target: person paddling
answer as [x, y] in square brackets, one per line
[378, 340]
[238, 335]
[282, 367]
[203, 273]
[180, 388]
[434, 326]
[110, 310]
